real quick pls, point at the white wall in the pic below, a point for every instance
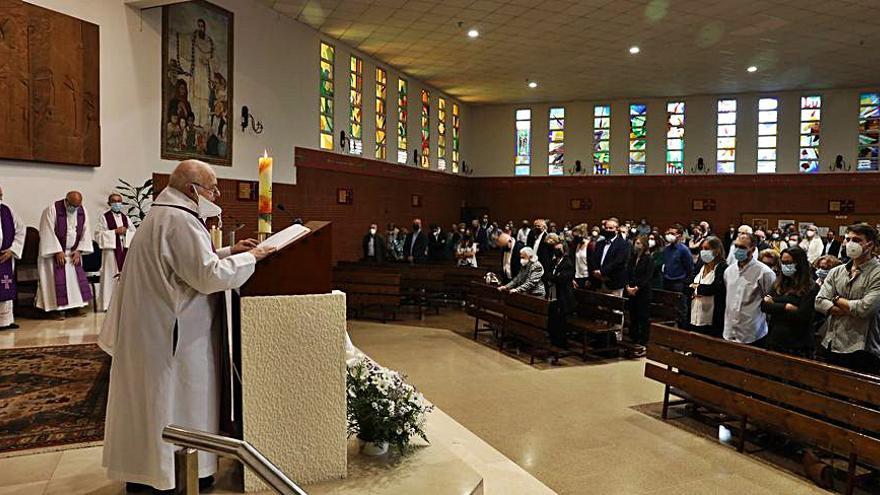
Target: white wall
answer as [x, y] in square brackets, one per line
[493, 134]
[275, 75]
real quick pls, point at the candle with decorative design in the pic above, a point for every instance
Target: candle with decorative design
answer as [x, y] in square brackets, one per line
[264, 227]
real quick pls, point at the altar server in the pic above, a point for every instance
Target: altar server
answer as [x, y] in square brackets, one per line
[65, 236]
[113, 235]
[163, 331]
[11, 244]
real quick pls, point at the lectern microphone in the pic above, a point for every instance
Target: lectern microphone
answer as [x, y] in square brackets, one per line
[289, 214]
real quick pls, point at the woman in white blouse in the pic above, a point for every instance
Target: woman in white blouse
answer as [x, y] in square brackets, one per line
[709, 291]
[466, 251]
[579, 245]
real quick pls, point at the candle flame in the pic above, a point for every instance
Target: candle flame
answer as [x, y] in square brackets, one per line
[265, 153]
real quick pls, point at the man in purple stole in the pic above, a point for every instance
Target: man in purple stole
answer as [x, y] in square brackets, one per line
[11, 244]
[64, 238]
[113, 236]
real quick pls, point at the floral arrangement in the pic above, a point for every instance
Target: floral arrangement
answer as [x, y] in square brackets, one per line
[382, 407]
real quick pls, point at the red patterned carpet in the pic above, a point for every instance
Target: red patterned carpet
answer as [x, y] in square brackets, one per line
[52, 396]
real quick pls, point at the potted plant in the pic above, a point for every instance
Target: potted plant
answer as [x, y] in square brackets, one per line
[383, 409]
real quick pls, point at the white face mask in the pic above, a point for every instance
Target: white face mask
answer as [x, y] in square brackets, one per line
[651, 243]
[373, 231]
[670, 238]
[854, 250]
[207, 209]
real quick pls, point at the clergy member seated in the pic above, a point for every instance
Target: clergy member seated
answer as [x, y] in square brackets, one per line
[163, 328]
[11, 244]
[65, 236]
[113, 235]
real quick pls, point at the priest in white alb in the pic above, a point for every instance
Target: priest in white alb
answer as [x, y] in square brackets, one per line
[65, 236]
[11, 244]
[113, 236]
[163, 331]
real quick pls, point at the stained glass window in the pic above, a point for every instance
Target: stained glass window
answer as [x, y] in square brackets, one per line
[675, 137]
[768, 118]
[602, 139]
[638, 138]
[425, 160]
[456, 144]
[441, 134]
[381, 113]
[726, 137]
[328, 60]
[355, 105]
[811, 116]
[869, 131]
[401, 121]
[523, 142]
[556, 146]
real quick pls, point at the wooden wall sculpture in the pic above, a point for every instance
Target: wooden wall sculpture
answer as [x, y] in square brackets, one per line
[49, 86]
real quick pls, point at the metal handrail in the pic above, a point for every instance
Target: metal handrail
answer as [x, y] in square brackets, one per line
[238, 449]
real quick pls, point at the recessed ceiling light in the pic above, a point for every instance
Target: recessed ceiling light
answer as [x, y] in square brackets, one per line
[473, 33]
[634, 49]
[752, 68]
[533, 84]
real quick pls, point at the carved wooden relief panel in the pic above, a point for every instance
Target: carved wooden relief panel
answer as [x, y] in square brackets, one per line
[49, 86]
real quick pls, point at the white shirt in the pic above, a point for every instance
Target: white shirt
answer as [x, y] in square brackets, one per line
[538, 241]
[371, 246]
[605, 249]
[746, 287]
[523, 235]
[581, 269]
[505, 262]
[703, 306]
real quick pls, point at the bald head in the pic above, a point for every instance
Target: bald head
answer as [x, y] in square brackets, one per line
[503, 240]
[74, 198]
[190, 172]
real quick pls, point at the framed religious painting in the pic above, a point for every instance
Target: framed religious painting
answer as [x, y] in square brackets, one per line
[197, 47]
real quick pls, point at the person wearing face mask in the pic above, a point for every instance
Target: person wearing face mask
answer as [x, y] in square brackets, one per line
[466, 251]
[746, 282]
[65, 235]
[608, 263]
[770, 258]
[743, 229]
[560, 280]
[394, 243]
[12, 233]
[415, 247]
[695, 242]
[776, 241]
[113, 236]
[655, 249]
[789, 306]
[832, 245]
[536, 241]
[522, 235]
[163, 330]
[639, 272]
[678, 267]
[530, 279]
[850, 298]
[812, 244]
[580, 248]
[373, 245]
[436, 244]
[823, 266]
[708, 290]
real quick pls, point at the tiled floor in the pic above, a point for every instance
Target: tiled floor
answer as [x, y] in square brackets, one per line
[571, 427]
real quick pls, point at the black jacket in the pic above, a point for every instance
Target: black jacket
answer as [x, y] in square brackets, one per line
[378, 247]
[790, 330]
[545, 251]
[419, 251]
[832, 248]
[560, 275]
[436, 246]
[614, 266]
[718, 291]
[640, 272]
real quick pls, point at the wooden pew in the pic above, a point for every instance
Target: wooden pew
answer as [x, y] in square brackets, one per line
[597, 315]
[831, 408]
[457, 283]
[486, 303]
[527, 320]
[664, 306]
[365, 290]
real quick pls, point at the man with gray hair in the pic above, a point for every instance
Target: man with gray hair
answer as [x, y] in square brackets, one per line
[12, 233]
[163, 331]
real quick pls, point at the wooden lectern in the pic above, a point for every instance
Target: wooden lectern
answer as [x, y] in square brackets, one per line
[304, 267]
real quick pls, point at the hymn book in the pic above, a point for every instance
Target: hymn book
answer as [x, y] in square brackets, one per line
[281, 240]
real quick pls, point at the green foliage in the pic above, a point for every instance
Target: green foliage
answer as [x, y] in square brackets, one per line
[137, 199]
[382, 407]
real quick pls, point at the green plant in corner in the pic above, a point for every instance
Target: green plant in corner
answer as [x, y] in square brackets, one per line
[137, 199]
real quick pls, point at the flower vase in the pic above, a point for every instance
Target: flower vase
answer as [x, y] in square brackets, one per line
[373, 449]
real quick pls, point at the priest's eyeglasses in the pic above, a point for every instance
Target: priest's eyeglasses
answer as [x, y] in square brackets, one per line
[213, 189]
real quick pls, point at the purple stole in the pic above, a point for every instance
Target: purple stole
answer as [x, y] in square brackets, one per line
[7, 274]
[120, 251]
[60, 272]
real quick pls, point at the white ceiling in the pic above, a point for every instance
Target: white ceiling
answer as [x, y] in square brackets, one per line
[578, 50]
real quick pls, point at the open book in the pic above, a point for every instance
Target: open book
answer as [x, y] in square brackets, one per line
[281, 240]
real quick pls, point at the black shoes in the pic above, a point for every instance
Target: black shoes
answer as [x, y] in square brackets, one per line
[11, 326]
[204, 484]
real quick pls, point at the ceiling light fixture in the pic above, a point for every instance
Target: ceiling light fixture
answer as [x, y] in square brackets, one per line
[634, 50]
[473, 33]
[752, 68]
[533, 84]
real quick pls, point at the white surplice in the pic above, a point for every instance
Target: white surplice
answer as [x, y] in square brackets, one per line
[106, 240]
[49, 245]
[172, 279]
[6, 316]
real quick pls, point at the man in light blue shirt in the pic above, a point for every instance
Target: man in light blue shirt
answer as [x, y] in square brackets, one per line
[747, 281]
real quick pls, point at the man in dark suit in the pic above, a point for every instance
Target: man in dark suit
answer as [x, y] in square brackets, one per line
[536, 242]
[510, 262]
[373, 245]
[415, 247]
[436, 244]
[608, 261]
[832, 245]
